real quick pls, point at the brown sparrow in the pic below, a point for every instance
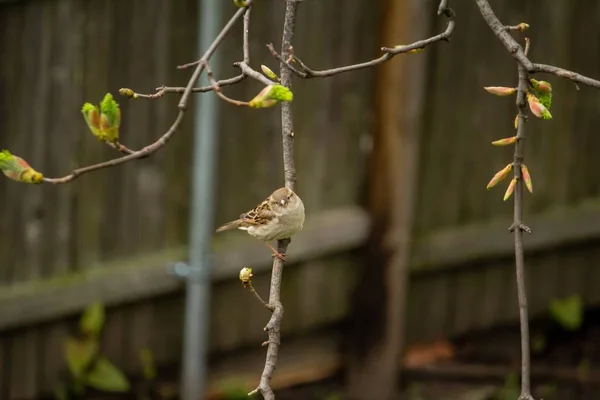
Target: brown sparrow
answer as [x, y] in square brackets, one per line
[280, 216]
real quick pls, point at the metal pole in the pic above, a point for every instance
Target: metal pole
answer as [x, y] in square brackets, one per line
[197, 303]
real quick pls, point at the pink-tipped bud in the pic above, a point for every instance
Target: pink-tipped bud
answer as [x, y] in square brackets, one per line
[537, 108]
[510, 189]
[526, 177]
[500, 175]
[541, 86]
[501, 90]
[505, 142]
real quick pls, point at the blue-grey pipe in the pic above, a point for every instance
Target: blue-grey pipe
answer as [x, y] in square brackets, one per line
[197, 303]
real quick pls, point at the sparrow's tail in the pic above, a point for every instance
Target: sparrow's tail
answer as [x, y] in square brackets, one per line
[230, 225]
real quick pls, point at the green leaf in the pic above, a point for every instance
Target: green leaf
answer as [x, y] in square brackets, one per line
[79, 353]
[105, 376]
[110, 108]
[281, 93]
[92, 319]
[271, 95]
[568, 312]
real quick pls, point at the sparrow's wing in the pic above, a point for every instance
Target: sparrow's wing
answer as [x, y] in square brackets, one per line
[259, 215]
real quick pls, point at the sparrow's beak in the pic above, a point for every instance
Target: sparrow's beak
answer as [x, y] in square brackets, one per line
[282, 202]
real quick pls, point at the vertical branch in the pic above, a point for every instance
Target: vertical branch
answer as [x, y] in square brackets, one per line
[287, 131]
[518, 227]
[287, 120]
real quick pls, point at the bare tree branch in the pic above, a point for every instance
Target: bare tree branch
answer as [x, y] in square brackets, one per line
[518, 228]
[217, 89]
[287, 131]
[517, 51]
[305, 72]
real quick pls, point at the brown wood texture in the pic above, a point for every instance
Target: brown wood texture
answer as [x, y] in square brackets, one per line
[57, 55]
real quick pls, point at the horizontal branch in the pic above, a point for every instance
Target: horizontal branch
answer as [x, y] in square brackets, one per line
[304, 71]
[145, 152]
[518, 53]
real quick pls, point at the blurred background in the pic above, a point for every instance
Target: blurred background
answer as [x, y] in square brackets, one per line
[392, 164]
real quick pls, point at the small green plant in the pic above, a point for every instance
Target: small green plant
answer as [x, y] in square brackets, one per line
[568, 312]
[87, 366]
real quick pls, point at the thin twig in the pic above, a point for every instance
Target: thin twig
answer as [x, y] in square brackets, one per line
[161, 91]
[217, 89]
[119, 147]
[389, 53]
[151, 148]
[287, 129]
[258, 296]
[252, 73]
[518, 53]
[522, 27]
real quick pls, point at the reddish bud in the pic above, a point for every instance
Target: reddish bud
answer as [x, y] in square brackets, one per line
[500, 175]
[505, 141]
[501, 90]
[541, 86]
[18, 169]
[510, 189]
[526, 177]
[537, 108]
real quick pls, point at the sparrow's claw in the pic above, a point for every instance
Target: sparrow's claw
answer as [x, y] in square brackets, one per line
[278, 255]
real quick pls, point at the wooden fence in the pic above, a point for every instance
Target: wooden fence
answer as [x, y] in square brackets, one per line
[109, 235]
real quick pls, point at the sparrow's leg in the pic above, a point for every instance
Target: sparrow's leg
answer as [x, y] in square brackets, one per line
[275, 252]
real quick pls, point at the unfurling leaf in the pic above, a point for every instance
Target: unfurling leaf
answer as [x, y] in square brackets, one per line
[18, 169]
[126, 92]
[526, 177]
[92, 319]
[501, 90]
[543, 91]
[523, 26]
[500, 175]
[240, 3]
[91, 114]
[79, 353]
[110, 108]
[269, 73]
[505, 142]
[104, 122]
[105, 376]
[537, 108]
[510, 189]
[517, 121]
[245, 275]
[271, 95]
